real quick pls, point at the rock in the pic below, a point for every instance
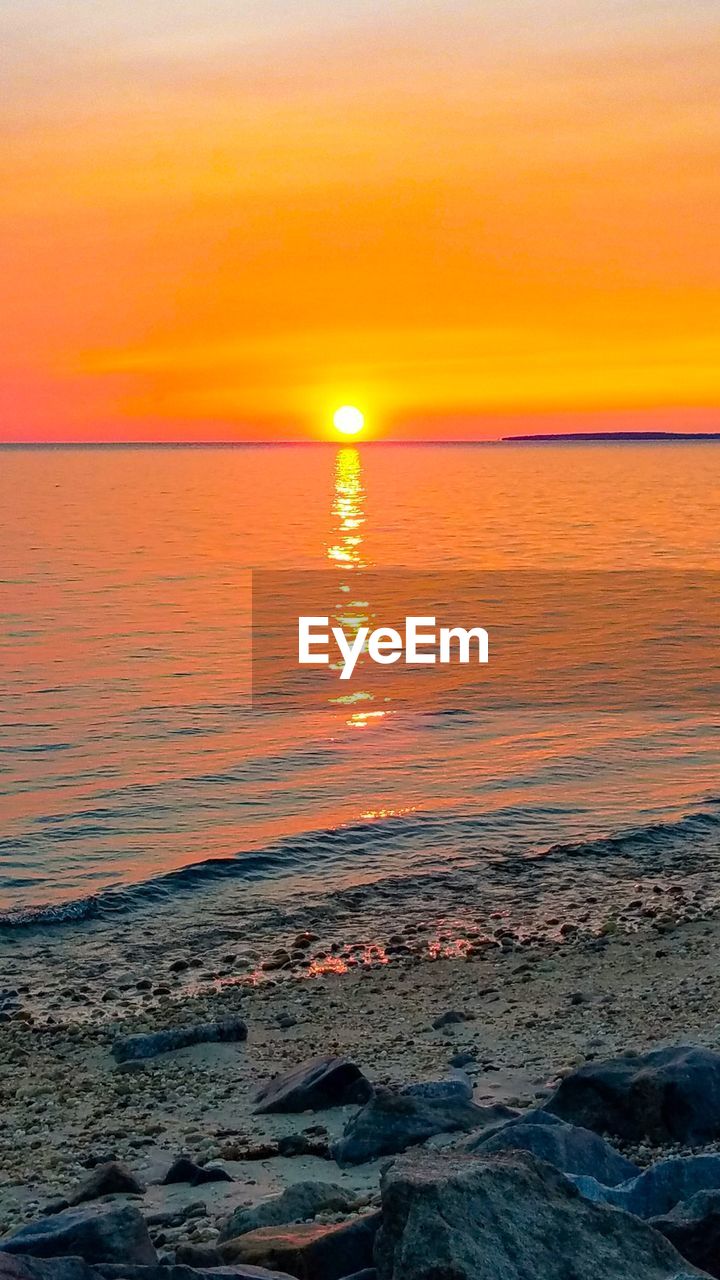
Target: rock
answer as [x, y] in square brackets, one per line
[392, 1121]
[568, 1147]
[76, 1269]
[135, 1048]
[302, 1144]
[462, 1059]
[286, 1020]
[38, 1269]
[316, 1084]
[237, 1271]
[296, 1203]
[667, 1095]
[456, 1086]
[508, 1215]
[106, 1180]
[198, 1255]
[186, 1170]
[658, 1189]
[448, 1019]
[107, 1233]
[310, 1251]
[694, 1228]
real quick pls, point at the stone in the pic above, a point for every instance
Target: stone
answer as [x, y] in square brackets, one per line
[455, 1086]
[694, 1228]
[393, 1121]
[309, 1251]
[74, 1269]
[659, 1188]
[198, 1255]
[506, 1217]
[667, 1095]
[107, 1233]
[448, 1019]
[314, 1085]
[297, 1203]
[186, 1170]
[236, 1271]
[568, 1147]
[139, 1047]
[106, 1180]
[23, 1268]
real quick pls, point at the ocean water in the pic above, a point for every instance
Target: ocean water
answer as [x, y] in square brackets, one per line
[135, 771]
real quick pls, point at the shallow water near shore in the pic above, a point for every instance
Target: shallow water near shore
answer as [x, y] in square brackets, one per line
[135, 777]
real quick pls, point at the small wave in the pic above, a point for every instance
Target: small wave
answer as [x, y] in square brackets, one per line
[460, 838]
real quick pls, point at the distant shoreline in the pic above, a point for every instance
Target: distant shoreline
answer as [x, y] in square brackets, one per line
[560, 437]
[617, 436]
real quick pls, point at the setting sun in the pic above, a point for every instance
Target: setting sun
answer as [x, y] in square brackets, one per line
[349, 420]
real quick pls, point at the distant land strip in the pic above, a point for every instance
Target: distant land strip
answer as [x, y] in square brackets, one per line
[550, 437]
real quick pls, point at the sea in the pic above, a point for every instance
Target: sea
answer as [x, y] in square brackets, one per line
[137, 773]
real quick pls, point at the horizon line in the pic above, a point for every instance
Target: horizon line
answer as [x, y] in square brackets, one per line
[572, 437]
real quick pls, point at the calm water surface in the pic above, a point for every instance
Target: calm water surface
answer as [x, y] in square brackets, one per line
[129, 750]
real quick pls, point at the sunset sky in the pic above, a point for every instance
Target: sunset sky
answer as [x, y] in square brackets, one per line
[223, 218]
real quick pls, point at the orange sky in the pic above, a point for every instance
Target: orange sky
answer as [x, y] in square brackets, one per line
[221, 218]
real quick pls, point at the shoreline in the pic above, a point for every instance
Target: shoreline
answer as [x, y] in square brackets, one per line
[529, 1014]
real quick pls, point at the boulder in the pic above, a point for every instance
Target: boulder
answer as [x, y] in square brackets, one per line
[455, 1086]
[667, 1095]
[137, 1048]
[106, 1180]
[316, 1084]
[392, 1121]
[106, 1233]
[296, 1203]
[506, 1216]
[658, 1189]
[566, 1146]
[694, 1228]
[309, 1251]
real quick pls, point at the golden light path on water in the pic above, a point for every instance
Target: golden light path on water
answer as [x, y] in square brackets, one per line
[346, 552]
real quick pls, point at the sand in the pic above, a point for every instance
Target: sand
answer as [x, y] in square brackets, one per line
[531, 1013]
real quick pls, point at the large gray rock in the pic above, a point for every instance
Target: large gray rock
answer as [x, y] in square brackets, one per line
[452, 1216]
[694, 1228]
[137, 1048]
[98, 1233]
[670, 1094]
[314, 1085]
[296, 1203]
[107, 1179]
[566, 1146]
[457, 1086]
[658, 1189]
[392, 1121]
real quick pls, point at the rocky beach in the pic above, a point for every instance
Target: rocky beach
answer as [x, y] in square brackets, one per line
[515, 1106]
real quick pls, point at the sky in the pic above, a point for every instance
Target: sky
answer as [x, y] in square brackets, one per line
[223, 218]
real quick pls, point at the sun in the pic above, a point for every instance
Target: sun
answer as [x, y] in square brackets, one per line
[348, 420]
